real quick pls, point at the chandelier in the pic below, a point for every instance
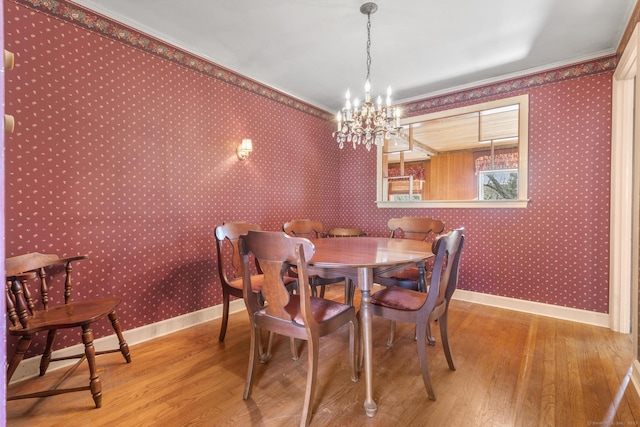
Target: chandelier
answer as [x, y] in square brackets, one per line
[368, 123]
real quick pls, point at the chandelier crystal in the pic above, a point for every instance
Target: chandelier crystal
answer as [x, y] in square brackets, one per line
[368, 123]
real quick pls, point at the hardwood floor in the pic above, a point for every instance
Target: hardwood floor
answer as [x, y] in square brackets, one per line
[513, 369]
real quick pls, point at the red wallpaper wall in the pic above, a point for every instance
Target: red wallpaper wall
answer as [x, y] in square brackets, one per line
[130, 157]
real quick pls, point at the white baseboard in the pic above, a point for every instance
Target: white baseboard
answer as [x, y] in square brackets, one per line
[635, 375]
[538, 308]
[31, 367]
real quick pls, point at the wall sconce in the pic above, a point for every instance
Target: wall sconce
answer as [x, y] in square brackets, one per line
[244, 148]
[9, 60]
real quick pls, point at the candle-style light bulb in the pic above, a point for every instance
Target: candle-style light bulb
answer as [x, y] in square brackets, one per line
[367, 91]
[356, 103]
[379, 102]
[348, 95]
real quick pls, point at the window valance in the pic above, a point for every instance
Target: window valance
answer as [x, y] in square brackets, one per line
[499, 161]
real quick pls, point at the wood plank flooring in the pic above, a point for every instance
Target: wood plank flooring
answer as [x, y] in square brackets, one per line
[513, 369]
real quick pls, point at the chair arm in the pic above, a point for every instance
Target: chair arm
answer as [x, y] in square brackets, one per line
[70, 259]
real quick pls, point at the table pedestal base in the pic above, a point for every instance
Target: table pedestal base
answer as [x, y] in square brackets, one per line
[365, 282]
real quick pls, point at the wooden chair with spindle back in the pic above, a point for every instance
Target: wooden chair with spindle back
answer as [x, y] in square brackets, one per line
[406, 305]
[345, 232]
[300, 316]
[29, 316]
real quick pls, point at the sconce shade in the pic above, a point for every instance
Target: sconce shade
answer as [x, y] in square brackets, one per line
[244, 148]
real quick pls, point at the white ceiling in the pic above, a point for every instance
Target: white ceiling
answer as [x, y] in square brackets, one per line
[315, 49]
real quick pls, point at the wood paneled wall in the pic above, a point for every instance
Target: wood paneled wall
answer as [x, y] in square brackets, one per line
[452, 177]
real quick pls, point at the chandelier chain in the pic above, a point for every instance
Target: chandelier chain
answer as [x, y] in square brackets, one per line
[368, 46]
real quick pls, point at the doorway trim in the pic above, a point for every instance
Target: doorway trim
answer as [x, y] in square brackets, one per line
[625, 195]
[621, 219]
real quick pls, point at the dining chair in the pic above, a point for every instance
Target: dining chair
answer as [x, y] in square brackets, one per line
[300, 316]
[406, 305]
[229, 270]
[312, 230]
[345, 232]
[415, 228]
[414, 276]
[349, 285]
[30, 315]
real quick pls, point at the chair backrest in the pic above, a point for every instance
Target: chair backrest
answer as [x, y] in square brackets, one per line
[415, 228]
[345, 232]
[230, 232]
[304, 228]
[444, 279]
[275, 251]
[19, 270]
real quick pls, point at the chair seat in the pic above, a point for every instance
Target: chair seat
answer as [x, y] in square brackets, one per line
[257, 281]
[68, 316]
[399, 298]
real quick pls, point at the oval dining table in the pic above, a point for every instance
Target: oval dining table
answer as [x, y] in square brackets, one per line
[361, 259]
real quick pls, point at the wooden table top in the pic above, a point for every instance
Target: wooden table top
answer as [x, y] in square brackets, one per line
[368, 251]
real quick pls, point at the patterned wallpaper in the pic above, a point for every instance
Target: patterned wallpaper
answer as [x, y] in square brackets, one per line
[556, 250]
[128, 155]
[131, 159]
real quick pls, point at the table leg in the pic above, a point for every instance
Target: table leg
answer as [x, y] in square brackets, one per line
[365, 282]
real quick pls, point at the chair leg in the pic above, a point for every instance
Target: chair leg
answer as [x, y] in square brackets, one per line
[392, 333]
[349, 289]
[254, 356]
[307, 409]
[46, 355]
[444, 335]
[21, 349]
[322, 289]
[124, 347]
[225, 315]
[422, 278]
[421, 330]
[430, 339]
[90, 352]
[294, 348]
[265, 356]
[314, 288]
